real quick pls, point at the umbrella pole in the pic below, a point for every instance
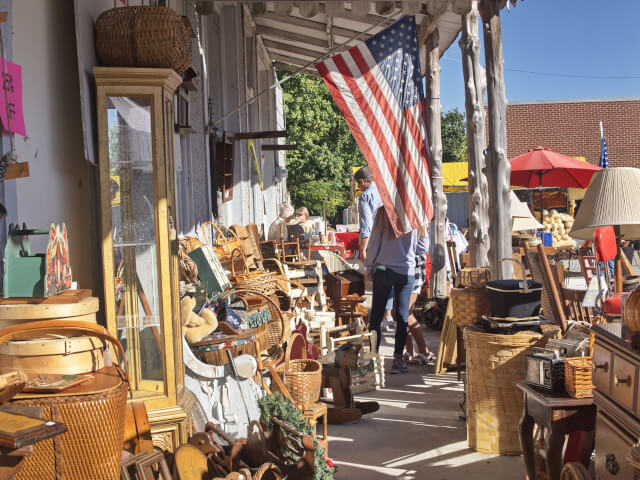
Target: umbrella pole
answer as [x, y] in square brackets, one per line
[540, 188]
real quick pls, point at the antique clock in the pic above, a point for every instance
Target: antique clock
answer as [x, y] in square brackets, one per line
[137, 205]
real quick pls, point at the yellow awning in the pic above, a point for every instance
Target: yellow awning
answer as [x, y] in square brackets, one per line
[452, 174]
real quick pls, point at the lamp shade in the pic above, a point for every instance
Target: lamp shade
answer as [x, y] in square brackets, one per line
[612, 198]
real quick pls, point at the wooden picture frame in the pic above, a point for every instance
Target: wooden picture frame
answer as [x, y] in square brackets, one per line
[139, 467]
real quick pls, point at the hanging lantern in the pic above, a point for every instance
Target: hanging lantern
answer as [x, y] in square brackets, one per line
[282, 8]
[308, 9]
[411, 7]
[334, 9]
[360, 8]
[436, 7]
[461, 7]
[384, 8]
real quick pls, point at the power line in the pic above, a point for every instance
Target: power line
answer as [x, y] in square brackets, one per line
[568, 75]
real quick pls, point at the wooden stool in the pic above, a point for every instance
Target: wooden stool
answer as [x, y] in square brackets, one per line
[315, 411]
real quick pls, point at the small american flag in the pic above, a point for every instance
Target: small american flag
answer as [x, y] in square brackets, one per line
[604, 155]
[377, 86]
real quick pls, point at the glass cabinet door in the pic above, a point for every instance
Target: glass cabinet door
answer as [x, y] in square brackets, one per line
[134, 236]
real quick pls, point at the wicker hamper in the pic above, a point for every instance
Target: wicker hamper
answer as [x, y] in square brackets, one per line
[495, 364]
[94, 413]
[143, 36]
[303, 378]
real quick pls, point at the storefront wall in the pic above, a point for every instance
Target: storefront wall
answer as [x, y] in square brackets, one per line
[61, 186]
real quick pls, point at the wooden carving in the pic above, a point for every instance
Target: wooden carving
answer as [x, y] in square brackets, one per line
[438, 280]
[498, 167]
[475, 85]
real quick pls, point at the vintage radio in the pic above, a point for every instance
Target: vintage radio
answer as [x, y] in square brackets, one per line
[544, 369]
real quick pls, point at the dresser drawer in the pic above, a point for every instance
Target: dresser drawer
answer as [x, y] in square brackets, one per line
[623, 382]
[612, 445]
[602, 364]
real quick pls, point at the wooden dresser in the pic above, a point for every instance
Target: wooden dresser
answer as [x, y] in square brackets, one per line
[616, 370]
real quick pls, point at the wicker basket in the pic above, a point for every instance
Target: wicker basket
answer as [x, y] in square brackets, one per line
[277, 330]
[186, 266]
[94, 413]
[223, 243]
[495, 364]
[578, 377]
[263, 282]
[468, 304]
[213, 348]
[268, 471]
[143, 36]
[474, 277]
[302, 378]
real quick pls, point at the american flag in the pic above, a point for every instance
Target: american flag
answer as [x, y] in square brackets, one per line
[377, 86]
[604, 155]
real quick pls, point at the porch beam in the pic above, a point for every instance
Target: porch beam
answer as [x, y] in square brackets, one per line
[290, 36]
[262, 134]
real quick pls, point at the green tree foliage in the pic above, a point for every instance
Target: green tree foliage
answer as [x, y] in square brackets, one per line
[454, 136]
[320, 168]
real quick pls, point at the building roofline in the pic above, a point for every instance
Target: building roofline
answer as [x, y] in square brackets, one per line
[577, 100]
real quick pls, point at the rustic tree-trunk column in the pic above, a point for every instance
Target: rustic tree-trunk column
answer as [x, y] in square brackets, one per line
[438, 280]
[498, 167]
[475, 85]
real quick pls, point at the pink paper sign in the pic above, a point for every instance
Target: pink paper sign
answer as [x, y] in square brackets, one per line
[11, 99]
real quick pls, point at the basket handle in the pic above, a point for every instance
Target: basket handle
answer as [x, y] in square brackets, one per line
[287, 355]
[36, 329]
[525, 282]
[218, 232]
[244, 260]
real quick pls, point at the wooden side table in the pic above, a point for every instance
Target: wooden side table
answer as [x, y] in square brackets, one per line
[312, 414]
[559, 415]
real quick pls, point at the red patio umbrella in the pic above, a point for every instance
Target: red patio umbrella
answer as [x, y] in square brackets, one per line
[542, 167]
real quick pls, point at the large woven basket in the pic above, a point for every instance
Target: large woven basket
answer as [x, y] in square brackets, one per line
[468, 304]
[94, 413]
[213, 349]
[143, 36]
[278, 329]
[303, 378]
[495, 365]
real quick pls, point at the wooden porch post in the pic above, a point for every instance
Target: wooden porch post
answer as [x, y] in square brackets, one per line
[438, 280]
[498, 167]
[475, 85]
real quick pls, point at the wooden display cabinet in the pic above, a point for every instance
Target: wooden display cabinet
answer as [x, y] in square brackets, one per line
[137, 198]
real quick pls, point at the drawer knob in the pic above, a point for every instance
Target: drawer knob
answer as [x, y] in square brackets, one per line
[604, 366]
[617, 380]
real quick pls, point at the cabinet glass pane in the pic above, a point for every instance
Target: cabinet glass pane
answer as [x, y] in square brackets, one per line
[134, 239]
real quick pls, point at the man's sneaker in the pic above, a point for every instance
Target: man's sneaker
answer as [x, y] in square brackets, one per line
[398, 366]
[387, 324]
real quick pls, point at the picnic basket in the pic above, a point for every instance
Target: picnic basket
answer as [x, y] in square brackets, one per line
[578, 376]
[303, 377]
[474, 277]
[94, 411]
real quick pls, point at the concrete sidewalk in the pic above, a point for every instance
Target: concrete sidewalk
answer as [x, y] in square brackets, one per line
[416, 434]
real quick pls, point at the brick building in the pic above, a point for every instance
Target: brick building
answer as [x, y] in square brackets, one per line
[572, 127]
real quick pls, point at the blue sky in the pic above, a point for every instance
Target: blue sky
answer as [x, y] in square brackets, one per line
[581, 38]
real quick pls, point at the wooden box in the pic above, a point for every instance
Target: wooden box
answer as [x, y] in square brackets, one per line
[343, 283]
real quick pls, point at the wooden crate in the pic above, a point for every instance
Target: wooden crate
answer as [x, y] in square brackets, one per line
[371, 379]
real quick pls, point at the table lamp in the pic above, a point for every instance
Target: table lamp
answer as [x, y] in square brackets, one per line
[612, 198]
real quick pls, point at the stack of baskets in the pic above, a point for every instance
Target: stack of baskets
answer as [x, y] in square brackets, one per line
[256, 280]
[225, 241]
[495, 364]
[474, 277]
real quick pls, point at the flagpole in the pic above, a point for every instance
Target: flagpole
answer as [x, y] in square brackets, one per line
[601, 131]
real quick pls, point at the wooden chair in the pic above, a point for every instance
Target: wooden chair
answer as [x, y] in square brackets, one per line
[588, 266]
[552, 304]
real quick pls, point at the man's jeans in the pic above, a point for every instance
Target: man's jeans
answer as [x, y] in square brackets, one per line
[383, 282]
